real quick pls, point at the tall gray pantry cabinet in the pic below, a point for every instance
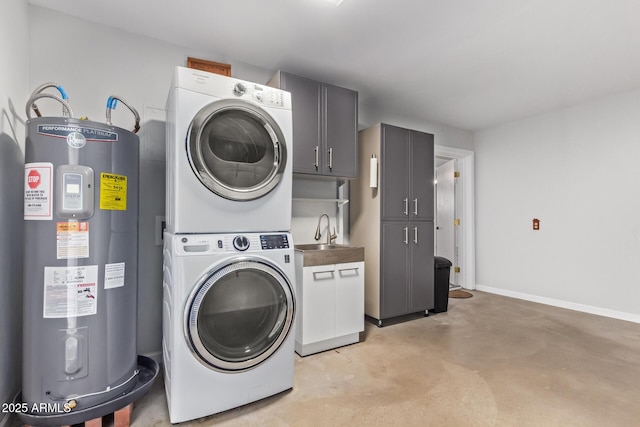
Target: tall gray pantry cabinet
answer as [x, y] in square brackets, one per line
[394, 222]
[325, 126]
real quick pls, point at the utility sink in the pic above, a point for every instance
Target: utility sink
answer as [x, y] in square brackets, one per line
[323, 254]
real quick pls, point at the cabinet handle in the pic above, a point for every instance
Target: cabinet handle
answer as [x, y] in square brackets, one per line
[330, 158]
[406, 235]
[415, 207]
[406, 206]
[342, 272]
[415, 235]
[316, 156]
[317, 275]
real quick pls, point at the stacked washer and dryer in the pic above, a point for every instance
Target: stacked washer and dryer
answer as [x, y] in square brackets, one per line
[228, 298]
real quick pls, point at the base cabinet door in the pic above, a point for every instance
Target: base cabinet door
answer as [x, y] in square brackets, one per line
[349, 298]
[318, 308]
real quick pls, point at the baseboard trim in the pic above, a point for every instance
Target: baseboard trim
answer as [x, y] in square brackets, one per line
[620, 315]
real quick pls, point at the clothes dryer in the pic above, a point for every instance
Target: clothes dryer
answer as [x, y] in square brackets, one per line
[229, 155]
[228, 320]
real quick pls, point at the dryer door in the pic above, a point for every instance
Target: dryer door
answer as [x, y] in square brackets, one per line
[239, 315]
[236, 149]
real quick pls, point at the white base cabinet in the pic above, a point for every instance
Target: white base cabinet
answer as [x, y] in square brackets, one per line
[330, 309]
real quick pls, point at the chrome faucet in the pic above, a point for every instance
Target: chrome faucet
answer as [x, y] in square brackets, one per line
[330, 237]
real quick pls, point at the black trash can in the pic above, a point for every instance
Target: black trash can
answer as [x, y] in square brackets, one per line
[442, 266]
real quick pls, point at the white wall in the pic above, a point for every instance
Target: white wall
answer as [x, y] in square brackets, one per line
[447, 136]
[14, 34]
[577, 171]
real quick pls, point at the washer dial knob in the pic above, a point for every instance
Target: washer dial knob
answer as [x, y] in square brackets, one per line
[241, 243]
[239, 89]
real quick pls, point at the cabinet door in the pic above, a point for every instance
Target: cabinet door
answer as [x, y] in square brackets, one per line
[422, 274]
[394, 260]
[306, 98]
[340, 133]
[318, 303]
[394, 168]
[349, 298]
[422, 186]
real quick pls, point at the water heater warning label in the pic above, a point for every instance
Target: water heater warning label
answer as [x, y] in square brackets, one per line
[113, 192]
[70, 291]
[72, 239]
[38, 193]
[114, 275]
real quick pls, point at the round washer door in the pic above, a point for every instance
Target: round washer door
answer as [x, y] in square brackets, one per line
[239, 314]
[236, 149]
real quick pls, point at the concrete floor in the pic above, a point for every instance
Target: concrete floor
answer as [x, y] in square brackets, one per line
[488, 361]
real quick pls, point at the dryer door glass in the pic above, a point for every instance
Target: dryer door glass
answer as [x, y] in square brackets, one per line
[236, 150]
[240, 315]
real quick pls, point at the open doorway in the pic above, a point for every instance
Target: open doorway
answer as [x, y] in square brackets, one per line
[456, 225]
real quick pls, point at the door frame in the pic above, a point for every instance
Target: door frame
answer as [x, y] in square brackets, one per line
[466, 212]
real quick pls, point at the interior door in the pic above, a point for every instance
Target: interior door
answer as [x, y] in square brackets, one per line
[445, 213]
[239, 315]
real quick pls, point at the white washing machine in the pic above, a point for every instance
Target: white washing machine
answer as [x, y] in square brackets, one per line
[229, 155]
[228, 320]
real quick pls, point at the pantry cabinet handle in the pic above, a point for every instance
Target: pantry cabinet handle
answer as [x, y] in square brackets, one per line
[316, 156]
[415, 207]
[406, 235]
[406, 206]
[415, 235]
[330, 158]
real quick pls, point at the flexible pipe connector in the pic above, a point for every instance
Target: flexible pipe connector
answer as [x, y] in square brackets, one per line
[42, 87]
[31, 104]
[111, 105]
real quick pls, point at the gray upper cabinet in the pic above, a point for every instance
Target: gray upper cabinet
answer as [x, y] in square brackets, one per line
[325, 126]
[407, 174]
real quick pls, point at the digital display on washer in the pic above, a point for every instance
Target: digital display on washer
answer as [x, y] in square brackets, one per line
[274, 241]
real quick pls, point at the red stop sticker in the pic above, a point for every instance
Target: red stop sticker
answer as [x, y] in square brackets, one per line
[33, 179]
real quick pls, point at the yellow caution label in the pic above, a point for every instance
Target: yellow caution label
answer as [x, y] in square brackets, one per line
[113, 192]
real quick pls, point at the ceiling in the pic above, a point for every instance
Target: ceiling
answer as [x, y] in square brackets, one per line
[465, 63]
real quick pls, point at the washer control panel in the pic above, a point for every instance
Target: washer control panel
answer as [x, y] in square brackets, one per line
[274, 241]
[229, 243]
